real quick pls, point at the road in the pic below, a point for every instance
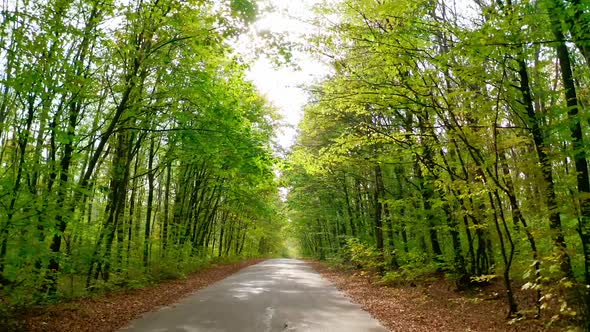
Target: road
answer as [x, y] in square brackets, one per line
[276, 295]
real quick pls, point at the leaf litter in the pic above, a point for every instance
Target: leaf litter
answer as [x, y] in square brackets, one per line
[114, 310]
[433, 305]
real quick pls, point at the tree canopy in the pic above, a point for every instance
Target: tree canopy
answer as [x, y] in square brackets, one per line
[132, 148]
[450, 137]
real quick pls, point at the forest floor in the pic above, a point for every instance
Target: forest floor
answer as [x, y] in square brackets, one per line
[114, 310]
[433, 305]
[428, 306]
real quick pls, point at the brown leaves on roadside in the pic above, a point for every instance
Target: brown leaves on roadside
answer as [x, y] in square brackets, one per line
[115, 310]
[428, 307]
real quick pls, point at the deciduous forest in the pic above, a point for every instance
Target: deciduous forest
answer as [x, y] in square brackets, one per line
[449, 139]
[131, 146]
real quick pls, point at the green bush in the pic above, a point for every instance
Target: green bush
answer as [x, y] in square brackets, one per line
[409, 274]
[363, 256]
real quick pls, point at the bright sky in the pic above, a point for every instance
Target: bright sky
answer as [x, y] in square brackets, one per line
[283, 86]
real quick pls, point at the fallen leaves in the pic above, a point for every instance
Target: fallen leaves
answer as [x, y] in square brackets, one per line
[427, 307]
[115, 310]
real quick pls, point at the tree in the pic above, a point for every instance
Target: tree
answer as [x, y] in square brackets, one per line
[465, 119]
[130, 140]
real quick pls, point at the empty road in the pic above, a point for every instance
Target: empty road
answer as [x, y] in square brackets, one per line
[276, 295]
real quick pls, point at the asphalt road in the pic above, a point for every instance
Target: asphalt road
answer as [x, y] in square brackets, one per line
[276, 295]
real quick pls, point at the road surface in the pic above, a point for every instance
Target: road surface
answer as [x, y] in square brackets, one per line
[276, 295]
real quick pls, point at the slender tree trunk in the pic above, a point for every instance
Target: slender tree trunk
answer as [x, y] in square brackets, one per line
[393, 263]
[349, 208]
[150, 202]
[221, 231]
[583, 176]
[4, 232]
[507, 257]
[546, 169]
[166, 210]
[378, 221]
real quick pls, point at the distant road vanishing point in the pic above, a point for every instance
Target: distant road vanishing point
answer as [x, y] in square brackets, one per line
[276, 295]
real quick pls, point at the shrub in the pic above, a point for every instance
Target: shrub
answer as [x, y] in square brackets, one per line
[409, 274]
[363, 256]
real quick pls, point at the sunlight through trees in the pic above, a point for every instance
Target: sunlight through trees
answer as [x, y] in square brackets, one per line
[451, 138]
[131, 146]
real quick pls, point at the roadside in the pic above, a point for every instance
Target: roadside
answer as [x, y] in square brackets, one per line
[278, 295]
[429, 307]
[114, 310]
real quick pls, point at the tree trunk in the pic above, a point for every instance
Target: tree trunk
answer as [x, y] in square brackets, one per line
[150, 202]
[378, 217]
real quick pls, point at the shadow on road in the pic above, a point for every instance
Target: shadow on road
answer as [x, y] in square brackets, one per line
[276, 295]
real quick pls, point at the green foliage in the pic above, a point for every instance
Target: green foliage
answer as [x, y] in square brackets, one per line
[450, 140]
[408, 275]
[415, 268]
[132, 148]
[246, 9]
[363, 256]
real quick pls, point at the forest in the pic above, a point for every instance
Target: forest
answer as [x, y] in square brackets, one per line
[451, 137]
[132, 148]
